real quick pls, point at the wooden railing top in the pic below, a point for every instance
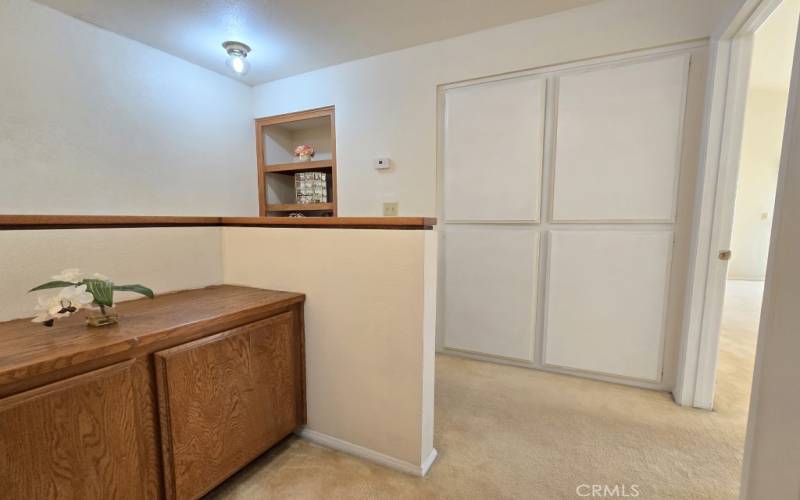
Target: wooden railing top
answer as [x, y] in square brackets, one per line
[334, 222]
[17, 222]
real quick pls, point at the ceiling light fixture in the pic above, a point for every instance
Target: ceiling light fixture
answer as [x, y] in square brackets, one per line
[237, 57]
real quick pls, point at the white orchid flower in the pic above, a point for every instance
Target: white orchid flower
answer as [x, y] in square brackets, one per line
[72, 275]
[44, 308]
[77, 295]
[101, 277]
[68, 301]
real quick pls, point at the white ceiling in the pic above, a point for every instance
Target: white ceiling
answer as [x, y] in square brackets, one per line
[294, 36]
[773, 48]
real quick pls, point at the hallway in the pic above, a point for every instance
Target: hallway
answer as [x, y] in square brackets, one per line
[506, 433]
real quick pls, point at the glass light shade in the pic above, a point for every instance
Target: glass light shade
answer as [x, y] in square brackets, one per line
[238, 64]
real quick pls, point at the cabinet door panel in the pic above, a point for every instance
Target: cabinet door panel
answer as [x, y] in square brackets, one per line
[225, 399]
[78, 438]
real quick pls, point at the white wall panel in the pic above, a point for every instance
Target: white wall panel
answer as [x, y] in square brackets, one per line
[606, 299]
[491, 276]
[618, 136]
[494, 134]
[96, 123]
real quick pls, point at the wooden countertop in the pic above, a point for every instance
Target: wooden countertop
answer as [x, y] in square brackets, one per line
[17, 222]
[31, 352]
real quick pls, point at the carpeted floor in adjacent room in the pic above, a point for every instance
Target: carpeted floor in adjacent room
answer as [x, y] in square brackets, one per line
[508, 433]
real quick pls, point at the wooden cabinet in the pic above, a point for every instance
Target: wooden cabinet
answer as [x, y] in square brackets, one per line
[186, 390]
[78, 438]
[224, 400]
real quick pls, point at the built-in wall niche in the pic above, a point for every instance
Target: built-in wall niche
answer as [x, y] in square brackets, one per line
[277, 138]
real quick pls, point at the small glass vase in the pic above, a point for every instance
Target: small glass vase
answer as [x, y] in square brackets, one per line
[102, 317]
[302, 158]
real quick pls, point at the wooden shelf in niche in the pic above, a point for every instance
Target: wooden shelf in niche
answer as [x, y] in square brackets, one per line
[276, 138]
[293, 168]
[301, 207]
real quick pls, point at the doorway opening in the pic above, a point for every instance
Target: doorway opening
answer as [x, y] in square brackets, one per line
[767, 96]
[743, 138]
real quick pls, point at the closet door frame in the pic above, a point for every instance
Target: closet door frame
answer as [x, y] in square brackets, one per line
[546, 224]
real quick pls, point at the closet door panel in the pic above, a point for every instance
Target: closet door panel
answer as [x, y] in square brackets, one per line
[618, 142]
[493, 150]
[491, 276]
[606, 300]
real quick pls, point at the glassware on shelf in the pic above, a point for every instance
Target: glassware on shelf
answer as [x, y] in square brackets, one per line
[311, 187]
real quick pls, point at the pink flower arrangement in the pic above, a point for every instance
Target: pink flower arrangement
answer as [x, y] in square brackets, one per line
[304, 150]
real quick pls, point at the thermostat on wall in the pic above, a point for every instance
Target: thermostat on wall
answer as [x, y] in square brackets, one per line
[382, 163]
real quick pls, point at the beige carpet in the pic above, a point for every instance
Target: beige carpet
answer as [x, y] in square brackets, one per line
[505, 432]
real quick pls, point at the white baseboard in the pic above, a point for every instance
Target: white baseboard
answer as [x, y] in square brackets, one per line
[368, 454]
[428, 462]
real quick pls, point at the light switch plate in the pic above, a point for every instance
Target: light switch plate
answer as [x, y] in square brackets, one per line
[390, 208]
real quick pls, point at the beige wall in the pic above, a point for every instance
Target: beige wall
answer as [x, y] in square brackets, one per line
[370, 310]
[386, 105]
[772, 453]
[758, 176]
[370, 313]
[165, 259]
[94, 123]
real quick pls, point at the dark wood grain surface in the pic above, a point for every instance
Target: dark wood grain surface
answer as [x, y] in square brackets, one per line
[77, 438]
[9, 222]
[30, 353]
[334, 222]
[20, 222]
[187, 389]
[144, 385]
[224, 400]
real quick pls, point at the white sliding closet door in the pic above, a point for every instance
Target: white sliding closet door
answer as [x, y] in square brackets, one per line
[491, 302]
[618, 142]
[493, 151]
[606, 300]
[597, 201]
[494, 135]
[615, 171]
